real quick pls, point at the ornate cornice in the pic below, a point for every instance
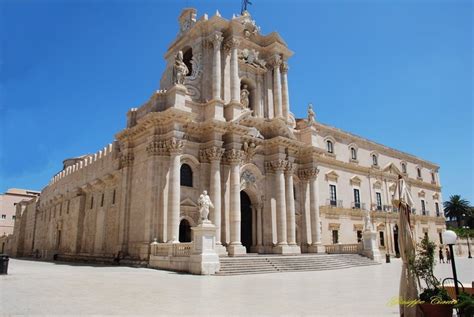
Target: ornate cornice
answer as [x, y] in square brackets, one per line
[276, 166]
[175, 146]
[126, 159]
[157, 147]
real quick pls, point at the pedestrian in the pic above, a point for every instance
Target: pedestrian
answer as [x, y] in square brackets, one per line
[448, 256]
[441, 256]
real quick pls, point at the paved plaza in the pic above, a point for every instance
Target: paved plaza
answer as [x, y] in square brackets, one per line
[44, 288]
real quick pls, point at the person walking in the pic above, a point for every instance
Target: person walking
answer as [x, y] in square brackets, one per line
[441, 256]
[448, 256]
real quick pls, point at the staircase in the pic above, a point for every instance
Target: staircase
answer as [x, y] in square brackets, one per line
[256, 264]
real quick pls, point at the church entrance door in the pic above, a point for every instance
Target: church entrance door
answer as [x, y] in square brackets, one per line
[184, 231]
[246, 221]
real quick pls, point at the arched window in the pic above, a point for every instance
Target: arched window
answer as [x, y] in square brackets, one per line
[404, 168]
[375, 160]
[187, 57]
[186, 175]
[353, 153]
[330, 146]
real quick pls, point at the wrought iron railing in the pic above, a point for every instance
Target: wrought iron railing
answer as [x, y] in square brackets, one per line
[334, 203]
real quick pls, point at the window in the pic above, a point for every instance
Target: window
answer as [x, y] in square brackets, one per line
[356, 198]
[418, 171]
[13, 217]
[330, 146]
[382, 240]
[440, 234]
[187, 58]
[333, 195]
[404, 168]
[335, 236]
[353, 153]
[186, 175]
[359, 235]
[92, 202]
[375, 160]
[113, 198]
[102, 200]
[379, 201]
[423, 208]
[4, 216]
[433, 180]
[437, 209]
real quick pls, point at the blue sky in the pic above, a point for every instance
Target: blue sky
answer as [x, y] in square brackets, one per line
[397, 72]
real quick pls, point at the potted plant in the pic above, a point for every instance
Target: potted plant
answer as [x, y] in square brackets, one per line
[465, 305]
[436, 301]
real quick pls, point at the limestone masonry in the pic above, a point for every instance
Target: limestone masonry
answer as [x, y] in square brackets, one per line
[221, 122]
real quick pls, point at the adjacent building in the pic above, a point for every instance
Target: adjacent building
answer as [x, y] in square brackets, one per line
[222, 122]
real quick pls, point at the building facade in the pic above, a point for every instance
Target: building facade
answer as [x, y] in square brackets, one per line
[221, 122]
[8, 202]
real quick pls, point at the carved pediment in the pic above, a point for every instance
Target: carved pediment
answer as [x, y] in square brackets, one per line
[355, 180]
[187, 202]
[435, 196]
[421, 193]
[377, 185]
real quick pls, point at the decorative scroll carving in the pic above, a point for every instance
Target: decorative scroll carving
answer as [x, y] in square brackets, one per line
[191, 81]
[275, 61]
[157, 147]
[250, 57]
[246, 179]
[308, 173]
[250, 149]
[290, 168]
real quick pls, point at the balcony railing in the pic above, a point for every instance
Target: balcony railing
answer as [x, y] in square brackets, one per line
[334, 203]
[172, 249]
[343, 248]
[387, 208]
[358, 205]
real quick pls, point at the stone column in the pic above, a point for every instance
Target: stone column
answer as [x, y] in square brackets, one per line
[216, 65]
[278, 167]
[175, 148]
[258, 112]
[254, 225]
[290, 205]
[277, 96]
[214, 155]
[284, 91]
[234, 71]
[234, 157]
[259, 224]
[314, 210]
[126, 164]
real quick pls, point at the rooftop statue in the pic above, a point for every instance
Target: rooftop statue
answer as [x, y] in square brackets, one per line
[311, 115]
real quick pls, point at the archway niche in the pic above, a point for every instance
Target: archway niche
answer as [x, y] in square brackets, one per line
[184, 231]
[187, 58]
[245, 220]
[248, 90]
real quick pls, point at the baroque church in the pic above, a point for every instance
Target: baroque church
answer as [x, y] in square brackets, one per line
[221, 122]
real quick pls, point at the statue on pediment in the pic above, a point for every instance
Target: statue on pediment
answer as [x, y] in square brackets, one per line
[180, 70]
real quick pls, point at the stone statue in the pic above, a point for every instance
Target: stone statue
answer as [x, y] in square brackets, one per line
[204, 203]
[367, 221]
[311, 115]
[180, 70]
[244, 96]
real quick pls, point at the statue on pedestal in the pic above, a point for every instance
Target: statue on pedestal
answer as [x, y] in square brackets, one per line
[311, 115]
[180, 70]
[204, 203]
[367, 222]
[244, 96]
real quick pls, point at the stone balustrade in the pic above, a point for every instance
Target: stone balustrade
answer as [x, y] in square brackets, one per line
[354, 248]
[172, 249]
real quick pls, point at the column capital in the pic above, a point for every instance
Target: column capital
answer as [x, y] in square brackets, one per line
[211, 154]
[276, 166]
[233, 156]
[290, 169]
[175, 146]
[232, 43]
[216, 39]
[275, 61]
[307, 174]
[284, 67]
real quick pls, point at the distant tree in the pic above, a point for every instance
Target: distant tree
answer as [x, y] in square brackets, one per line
[456, 207]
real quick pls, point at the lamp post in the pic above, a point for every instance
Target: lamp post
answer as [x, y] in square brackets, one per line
[449, 237]
[468, 245]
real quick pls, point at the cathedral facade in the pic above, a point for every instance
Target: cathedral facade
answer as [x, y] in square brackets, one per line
[221, 122]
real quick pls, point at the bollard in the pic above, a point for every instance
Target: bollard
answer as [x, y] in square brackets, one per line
[3, 264]
[387, 258]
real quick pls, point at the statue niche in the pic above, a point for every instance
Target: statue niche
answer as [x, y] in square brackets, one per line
[247, 95]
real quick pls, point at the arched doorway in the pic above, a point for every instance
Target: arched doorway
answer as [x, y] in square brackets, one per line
[184, 231]
[395, 240]
[245, 220]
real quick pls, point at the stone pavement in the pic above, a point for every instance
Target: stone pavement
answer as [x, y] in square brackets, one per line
[43, 288]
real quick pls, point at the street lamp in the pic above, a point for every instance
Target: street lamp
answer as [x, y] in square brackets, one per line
[449, 237]
[468, 245]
